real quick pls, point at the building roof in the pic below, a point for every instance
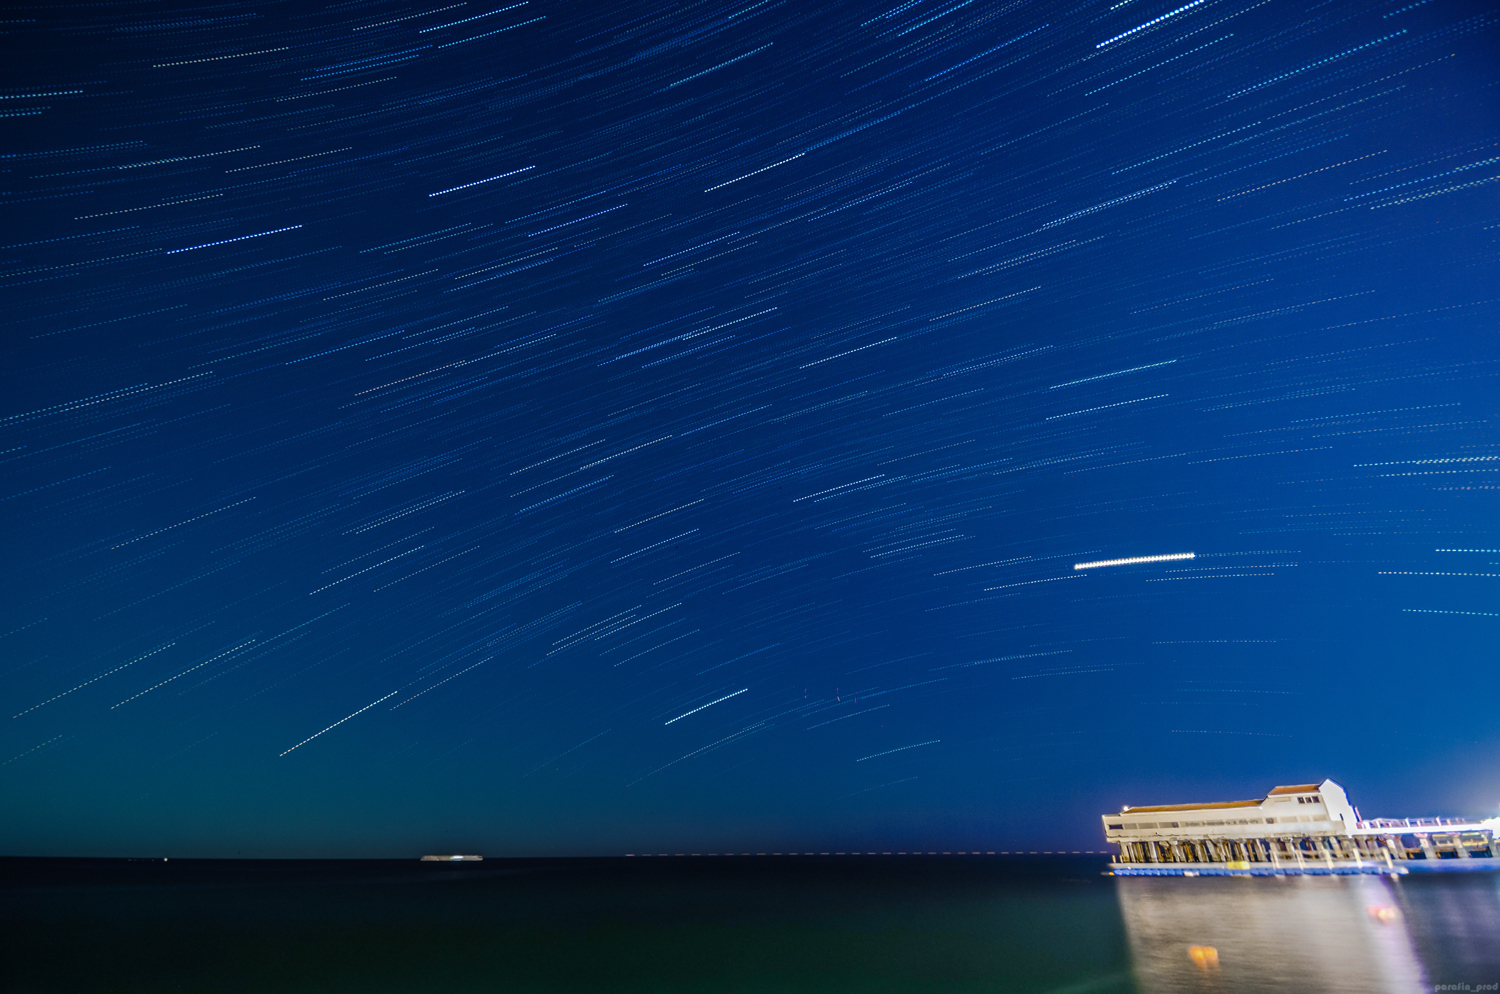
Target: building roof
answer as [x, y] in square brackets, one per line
[1194, 807]
[1304, 788]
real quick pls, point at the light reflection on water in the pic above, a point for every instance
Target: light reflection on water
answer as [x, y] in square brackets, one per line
[1342, 935]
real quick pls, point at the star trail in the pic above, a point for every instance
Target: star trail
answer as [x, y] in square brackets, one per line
[539, 428]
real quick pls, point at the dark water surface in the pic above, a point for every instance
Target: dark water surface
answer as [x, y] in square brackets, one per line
[730, 924]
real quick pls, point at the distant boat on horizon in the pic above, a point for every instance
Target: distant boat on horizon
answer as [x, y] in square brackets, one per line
[451, 859]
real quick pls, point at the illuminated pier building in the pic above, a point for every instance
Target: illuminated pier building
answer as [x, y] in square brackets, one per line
[1301, 829]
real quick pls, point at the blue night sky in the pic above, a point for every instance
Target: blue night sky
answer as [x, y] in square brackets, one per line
[543, 428]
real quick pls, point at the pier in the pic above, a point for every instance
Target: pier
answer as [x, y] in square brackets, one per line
[1302, 829]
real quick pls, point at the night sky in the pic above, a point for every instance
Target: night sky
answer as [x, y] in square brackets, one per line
[543, 428]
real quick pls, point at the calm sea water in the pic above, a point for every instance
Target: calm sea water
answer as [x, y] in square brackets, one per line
[928, 924]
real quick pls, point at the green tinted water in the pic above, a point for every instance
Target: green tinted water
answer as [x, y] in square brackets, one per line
[928, 924]
[658, 925]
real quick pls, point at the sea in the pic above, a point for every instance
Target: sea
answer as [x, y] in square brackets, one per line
[1055, 924]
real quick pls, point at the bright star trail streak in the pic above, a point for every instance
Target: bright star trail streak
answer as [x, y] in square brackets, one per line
[336, 724]
[570, 366]
[1151, 23]
[888, 752]
[1132, 560]
[708, 705]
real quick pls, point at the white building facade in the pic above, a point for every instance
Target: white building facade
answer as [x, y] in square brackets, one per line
[1302, 828]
